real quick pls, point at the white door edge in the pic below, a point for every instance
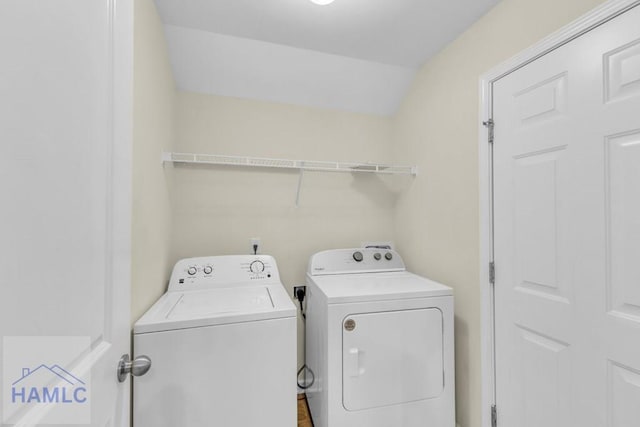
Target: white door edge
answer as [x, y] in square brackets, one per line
[596, 17]
[122, 174]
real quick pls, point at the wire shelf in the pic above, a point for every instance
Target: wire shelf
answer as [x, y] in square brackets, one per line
[306, 165]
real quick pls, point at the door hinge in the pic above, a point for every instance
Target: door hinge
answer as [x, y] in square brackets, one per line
[492, 273]
[494, 416]
[490, 125]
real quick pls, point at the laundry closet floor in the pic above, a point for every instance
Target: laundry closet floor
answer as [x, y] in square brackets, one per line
[304, 418]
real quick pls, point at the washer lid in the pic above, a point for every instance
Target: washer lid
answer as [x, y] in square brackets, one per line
[343, 288]
[191, 309]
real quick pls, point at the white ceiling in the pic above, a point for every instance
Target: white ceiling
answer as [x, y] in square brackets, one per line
[355, 55]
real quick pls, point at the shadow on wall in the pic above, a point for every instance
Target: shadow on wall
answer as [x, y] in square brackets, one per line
[463, 388]
[381, 189]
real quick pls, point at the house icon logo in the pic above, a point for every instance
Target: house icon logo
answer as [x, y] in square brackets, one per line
[48, 384]
[46, 380]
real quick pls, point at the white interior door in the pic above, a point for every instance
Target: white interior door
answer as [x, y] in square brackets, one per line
[567, 234]
[65, 141]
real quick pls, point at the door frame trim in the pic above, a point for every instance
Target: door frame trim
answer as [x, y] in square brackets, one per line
[582, 25]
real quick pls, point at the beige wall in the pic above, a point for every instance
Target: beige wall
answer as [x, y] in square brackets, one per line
[153, 131]
[218, 209]
[437, 217]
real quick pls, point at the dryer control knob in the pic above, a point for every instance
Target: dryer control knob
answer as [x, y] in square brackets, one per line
[192, 271]
[357, 256]
[377, 256]
[207, 269]
[388, 256]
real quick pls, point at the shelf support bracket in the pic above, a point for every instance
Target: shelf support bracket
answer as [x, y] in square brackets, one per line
[299, 186]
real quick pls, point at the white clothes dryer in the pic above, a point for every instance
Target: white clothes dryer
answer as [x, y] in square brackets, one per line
[222, 342]
[379, 342]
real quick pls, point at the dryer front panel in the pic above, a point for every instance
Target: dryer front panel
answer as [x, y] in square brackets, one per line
[391, 357]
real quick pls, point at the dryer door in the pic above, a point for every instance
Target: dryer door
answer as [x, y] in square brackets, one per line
[391, 357]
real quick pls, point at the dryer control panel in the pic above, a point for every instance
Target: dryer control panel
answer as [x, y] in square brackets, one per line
[357, 260]
[223, 271]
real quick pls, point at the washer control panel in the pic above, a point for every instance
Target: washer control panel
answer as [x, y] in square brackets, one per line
[358, 260]
[223, 271]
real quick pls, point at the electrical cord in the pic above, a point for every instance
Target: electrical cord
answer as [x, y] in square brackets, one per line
[300, 294]
[306, 385]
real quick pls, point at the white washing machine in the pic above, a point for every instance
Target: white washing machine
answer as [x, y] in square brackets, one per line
[379, 342]
[222, 343]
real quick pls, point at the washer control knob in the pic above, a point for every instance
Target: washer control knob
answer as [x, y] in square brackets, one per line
[357, 256]
[192, 271]
[208, 269]
[388, 256]
[377, 256]
[257, 266]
